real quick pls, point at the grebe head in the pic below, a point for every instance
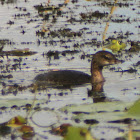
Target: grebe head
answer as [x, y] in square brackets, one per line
[99, 60]
[104, 58]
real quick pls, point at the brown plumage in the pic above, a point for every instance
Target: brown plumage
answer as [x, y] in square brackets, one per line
[68, 78]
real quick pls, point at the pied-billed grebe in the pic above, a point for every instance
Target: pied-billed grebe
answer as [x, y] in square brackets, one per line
[68, 78]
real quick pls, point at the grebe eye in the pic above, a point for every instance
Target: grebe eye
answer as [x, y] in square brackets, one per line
[106, 57]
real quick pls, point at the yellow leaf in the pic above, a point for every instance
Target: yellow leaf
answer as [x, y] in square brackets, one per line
[77, 133]
[115, 46]
[16, 121]
[135, 109]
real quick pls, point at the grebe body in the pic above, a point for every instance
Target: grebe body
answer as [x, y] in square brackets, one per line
[68, 78]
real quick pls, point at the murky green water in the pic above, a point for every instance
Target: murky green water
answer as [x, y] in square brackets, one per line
[23, 25]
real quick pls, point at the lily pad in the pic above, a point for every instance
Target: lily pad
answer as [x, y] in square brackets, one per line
[134, 110]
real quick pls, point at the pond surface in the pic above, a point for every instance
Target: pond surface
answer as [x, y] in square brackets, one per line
[64, 35]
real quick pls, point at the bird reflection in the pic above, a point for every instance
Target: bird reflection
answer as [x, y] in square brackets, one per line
[72, 78]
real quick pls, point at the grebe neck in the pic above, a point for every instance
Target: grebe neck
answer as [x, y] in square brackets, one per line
[96, 73]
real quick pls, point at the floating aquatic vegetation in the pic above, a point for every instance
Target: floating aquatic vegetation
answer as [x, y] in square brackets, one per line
[21, 8]
[137, 64]
[135, 46]
[7, 1]
[91, 15]
[42, 8]
[19, 125]
[130, 70]
[10, 22]
[67, 32]
[49, 11]
[22, 15]
[18, 52]
[64, 53]
[121, 20]
[7, 68]
[55, 54]
[6, 76]
[3, 42]
[91, 121]
[72, 133]
[124, 121]
[16, 121]
[40, 33]
[72, 20]
[121, 4]
[134, 110]
[74, 1]
[115, 46]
